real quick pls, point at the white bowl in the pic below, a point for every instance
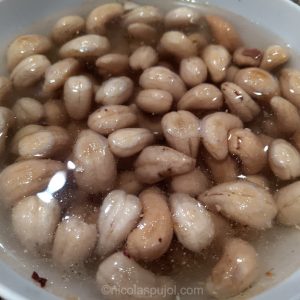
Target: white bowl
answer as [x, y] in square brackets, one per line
[273, 21]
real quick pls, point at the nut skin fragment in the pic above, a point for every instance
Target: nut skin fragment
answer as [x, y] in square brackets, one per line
[274, 57]
[153, 235]
[156, 163]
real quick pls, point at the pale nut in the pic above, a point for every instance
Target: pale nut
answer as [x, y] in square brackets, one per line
[181, 129]
[108, 119]
[154, 233]
[274, 57]
[193, 224]
[128, 182]
[193, 71]
[163, 79]
[214, 131]
[34, 222]
[114, 91]
[73, 233]
[231, 72]
[57, 74]
[284, 160]
[29, 71]
[24, 46]
[119, 215]
[67, 28]
[192, 183]
[101, 16]
[242, 202]
[155, 163]
[239, 257]
[95, 169]
[224, 32]
[290, 85]
[182, 17]
[129, 141]
[143, 58]
[113, 64]
[88, 46]
[55, 113]
[258, 179]
[286, 115]
[154, 101]
[199, 39]
[204, 96]
[78, 96]
[130, 5]
[247, 57]
[217, 60]
[26, 178]
[239, 102]
[28, 111]
[178, 44]
[258, 83]
[5, 89]
[248, 147]
[7, 121]
[143, 14]
[142, 32]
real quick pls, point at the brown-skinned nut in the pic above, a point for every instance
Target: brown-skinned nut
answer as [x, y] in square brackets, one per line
[247, 57]
[274, 57]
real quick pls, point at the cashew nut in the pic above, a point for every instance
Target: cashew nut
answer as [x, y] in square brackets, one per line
[182, 17]
[247, 57]
[143, 58]
[128, 182]
[154, 233]
[5, 89]
[274, 57]
[55, 113]
[113, 63]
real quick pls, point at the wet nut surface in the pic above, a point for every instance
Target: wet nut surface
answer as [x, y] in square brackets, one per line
[112, 63]
[5, 88]
[55, 112]
[143, 58]
[128, 182]
[142, 32]
[7, 121]
[274, 56]
[247, 57]
[182, 17]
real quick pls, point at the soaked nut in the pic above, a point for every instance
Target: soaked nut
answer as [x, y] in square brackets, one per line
[214, 131]
[156, 163]
[259, 180]
[78, 94]
[217, 60]
[154, 233]
[89, 46]
[128, 182]
[73, 233]
[284, 160]
[198, 39]
[24, 46]
[121, 272]
[28, 111]
[249, 148]
[247, 57]
[296, 140]
[182, 132]
[48, 142]
[143, 58]
[286, 114]
[26, 178]
[225, 170]
[266, 140]
[74, 129]
[223, 231]
[101, 16]
[112, 64]
[129, 141]
[193, 71]
[192, 183]
[239, 102]
[7, 120]
[29, 71]
[116, 90]
[119, 215]
[259, 84]
[178, 44]
[57, 74]
[242, 202]
[163, 79]
[142, 32]
[34, 222]
[288, 203]
[193, 224]
[182, 17]
[290, 85]
[67, 28]
[129, 5]
[204, 96]
[55, 113]
[143, 14]
[231, 72]
[274, 57]
[95, 170]
[107, 119]
[153, 123]
[154, 101]
[270, 127]
[5, 89]
[224, 33]
[239, 257]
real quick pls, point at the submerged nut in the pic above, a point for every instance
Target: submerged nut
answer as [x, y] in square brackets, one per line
[142, 32]
[247, 57]
[199, 39]
[231, 72]
[55, 112]
[143, 58]
[5, 88]
[143, 14]
[182, 17]
[128, 182]
[155, 163]
[242, 202]
[7, 120]
[112, 63]
[274, 57]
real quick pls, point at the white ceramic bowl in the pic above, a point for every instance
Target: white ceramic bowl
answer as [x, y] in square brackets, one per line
[273, 21]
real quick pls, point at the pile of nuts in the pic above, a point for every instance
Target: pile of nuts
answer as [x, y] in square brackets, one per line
[130, 130]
